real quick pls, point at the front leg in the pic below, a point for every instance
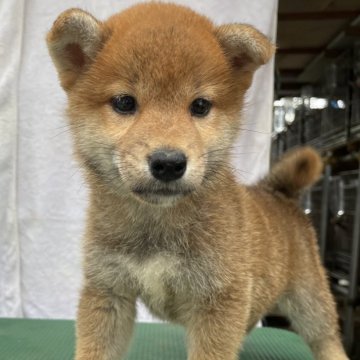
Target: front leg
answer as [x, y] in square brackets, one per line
[104, 325]
[216, 332]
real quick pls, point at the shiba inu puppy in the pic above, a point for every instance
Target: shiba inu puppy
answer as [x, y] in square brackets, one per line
[154, 98]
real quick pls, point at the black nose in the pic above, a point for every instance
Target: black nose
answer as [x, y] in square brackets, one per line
[167, 165]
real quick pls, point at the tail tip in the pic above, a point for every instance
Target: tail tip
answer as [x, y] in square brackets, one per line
[296, 170]
[308, 167]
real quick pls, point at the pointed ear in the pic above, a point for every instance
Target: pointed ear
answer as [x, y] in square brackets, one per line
[73, 42]
[246, 47]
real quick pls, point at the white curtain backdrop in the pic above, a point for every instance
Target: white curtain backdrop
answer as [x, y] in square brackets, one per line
[42, 194]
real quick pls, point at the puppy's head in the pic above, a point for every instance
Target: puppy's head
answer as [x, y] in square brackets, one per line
[154, 95]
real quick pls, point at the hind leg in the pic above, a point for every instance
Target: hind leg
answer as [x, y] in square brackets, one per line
[311, 310]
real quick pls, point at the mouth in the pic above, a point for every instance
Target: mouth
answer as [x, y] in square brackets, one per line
[161, 192]
[158, 195]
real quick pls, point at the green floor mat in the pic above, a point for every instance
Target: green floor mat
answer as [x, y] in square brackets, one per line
[23, 339]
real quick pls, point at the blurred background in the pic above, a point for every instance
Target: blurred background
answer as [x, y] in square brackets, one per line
[317, 102]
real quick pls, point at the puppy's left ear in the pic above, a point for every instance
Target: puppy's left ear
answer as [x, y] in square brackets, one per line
[246, 47]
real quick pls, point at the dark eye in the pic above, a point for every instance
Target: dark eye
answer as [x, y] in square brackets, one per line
[200, 107]
[124, 104]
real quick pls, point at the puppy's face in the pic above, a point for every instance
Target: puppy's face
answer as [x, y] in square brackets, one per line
[154, 95]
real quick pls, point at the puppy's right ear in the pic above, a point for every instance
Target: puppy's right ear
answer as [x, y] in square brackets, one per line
[73, 42]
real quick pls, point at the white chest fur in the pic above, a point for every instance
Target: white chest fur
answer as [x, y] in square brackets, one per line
[158, 279]
[151, 276]
[147, 277]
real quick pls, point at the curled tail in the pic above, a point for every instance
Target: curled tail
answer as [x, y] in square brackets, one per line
[295, 171]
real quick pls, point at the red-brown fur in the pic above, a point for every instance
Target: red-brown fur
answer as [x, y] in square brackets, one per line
[214, 255]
